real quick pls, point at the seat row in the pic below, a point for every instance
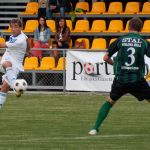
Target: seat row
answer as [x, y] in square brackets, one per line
[47, 63]
[84, 26]
[99, 8]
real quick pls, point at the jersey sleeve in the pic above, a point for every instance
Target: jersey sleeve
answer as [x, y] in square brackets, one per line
[148, 50]
[113, 48]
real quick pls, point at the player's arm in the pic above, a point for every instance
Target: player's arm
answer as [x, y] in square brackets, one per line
[28, 51]
[111, 50]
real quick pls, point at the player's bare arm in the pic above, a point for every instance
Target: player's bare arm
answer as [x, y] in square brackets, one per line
[108, 59]
[3, 45]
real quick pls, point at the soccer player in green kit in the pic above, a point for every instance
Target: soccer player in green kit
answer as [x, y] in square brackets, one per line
[129, 69]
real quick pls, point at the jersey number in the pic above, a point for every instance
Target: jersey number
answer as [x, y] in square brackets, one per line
[131, 56]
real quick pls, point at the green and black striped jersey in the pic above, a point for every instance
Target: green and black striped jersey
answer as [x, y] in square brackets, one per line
[129, 64]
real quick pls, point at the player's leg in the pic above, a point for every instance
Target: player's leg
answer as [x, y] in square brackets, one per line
[102, 114]
[10, 75]
[3, 93]
[116, 92]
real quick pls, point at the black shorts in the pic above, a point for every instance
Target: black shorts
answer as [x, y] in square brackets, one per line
[140, 90]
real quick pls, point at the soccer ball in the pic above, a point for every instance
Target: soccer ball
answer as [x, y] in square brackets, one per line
[89, 68]
[20, 85]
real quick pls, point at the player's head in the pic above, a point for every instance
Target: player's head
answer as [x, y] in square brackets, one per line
[16, 26]
[135, 24]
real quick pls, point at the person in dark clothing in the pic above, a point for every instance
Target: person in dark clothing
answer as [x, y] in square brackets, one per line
[61, 6]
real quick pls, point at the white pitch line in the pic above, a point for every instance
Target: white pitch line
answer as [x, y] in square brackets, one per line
[44, 139]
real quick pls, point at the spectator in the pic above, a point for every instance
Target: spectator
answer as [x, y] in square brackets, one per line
[80, 44]
[41, 37]
[61, 6]
[62, 34]
[43, 5]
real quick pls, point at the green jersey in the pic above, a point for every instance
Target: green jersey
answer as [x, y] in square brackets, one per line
[129, 64]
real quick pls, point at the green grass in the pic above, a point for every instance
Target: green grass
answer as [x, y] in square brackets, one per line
[61, 122]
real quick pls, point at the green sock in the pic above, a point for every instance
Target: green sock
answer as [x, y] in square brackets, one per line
[103, 112]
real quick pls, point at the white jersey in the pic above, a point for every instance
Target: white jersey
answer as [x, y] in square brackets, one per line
[16, 47]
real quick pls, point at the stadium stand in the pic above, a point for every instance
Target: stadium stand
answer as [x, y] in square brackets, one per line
[146, 26]
[30, 25]
[97, 8]
[81, 26]
[2, 40]
[30, 63]
[51, 24]
[47, 63]
[31, 8]
[82, 5]
[96, 44]
[87, 43]
[115, 8]
[61, 64]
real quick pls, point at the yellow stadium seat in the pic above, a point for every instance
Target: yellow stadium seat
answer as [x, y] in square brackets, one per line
[99, 43]
[97, 8]
[146, 26]
[87, 43]
[132, 8]
[82, 5]
[115, 26]
[31, 8]
[112, 40]
[81, 26]
[61, 64]
[7, 30]
[51, 24]
[2, 40]
[47, 63]
[127, 27]
[114, 8]
[30, 25]
[148, 40]
[98, 26]
[70, 43]
[145, 8]
[69, 24]
[30, 63]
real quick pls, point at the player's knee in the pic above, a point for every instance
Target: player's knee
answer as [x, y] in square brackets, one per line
[111, 101]
[7, 64]
[5, 87]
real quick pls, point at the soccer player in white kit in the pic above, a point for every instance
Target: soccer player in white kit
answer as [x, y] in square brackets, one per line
[12, 60]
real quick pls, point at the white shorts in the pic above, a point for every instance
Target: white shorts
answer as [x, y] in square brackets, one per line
[17, 68]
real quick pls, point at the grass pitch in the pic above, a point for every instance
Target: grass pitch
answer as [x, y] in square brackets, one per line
[61, 122]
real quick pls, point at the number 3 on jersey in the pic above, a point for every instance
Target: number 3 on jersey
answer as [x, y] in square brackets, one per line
[131, 56]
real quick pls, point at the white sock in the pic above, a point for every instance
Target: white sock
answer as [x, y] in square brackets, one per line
[11, 77]
[2, 98]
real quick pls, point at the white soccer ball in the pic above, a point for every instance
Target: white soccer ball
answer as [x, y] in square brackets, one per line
[89, 68]
[20, 85]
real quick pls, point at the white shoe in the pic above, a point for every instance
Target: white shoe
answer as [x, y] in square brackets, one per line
[18, 93]
[93, 132]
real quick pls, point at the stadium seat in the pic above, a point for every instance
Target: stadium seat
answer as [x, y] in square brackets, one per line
[132, 8]
[115, 26]
[82, 5]
[31, 8]
[2, 40]
[7, 30]
[81, 26]
[112, 40]
[148, 40]
[69, 24]
[99, 43]
[114, 8]
[47, 63]
[97, 8]
[98, 26]
[51, 24]
[30, 25]
[126, 27]
[61, 64]
[87, 43]
[146, 26]
[30, 63]
[145, 8]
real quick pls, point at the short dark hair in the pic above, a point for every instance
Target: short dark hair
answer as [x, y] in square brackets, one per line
[18, 21]
[135, 24]
[54, 43]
